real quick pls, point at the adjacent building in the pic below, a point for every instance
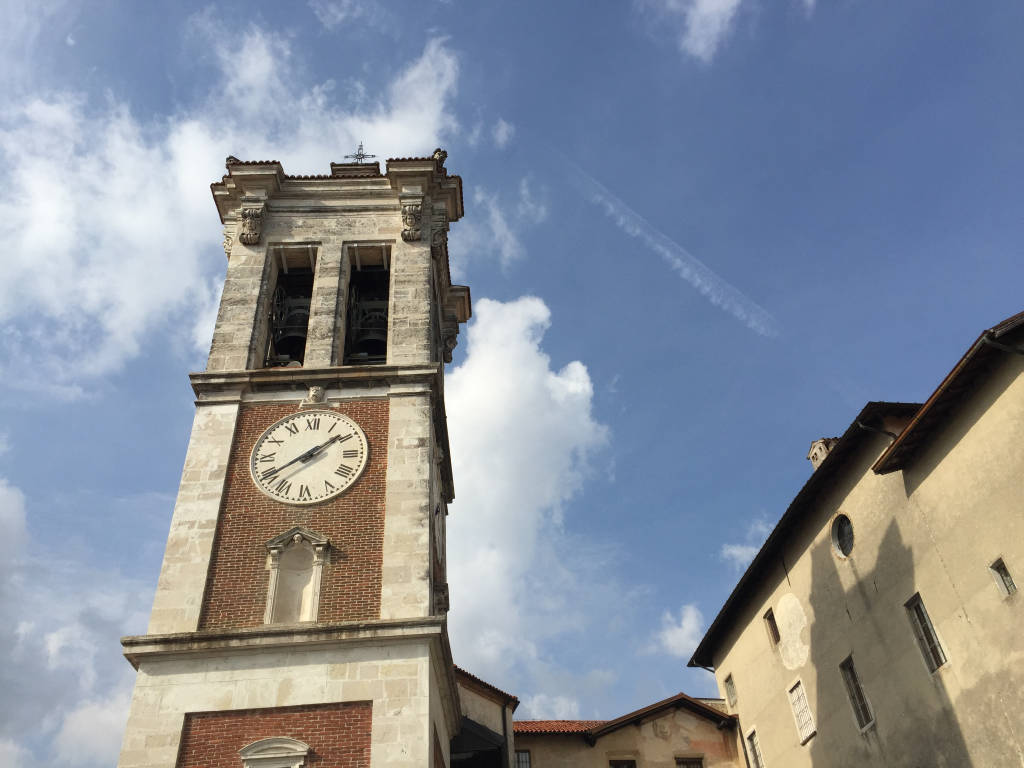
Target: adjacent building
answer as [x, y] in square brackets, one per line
[880, 624]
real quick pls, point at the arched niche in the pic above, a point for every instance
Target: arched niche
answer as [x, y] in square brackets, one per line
[296, 559]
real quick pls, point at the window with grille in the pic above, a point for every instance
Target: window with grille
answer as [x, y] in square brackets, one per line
[1003, 577]
[934, 656]
[754, 751]
[802, 712]
[689, 762]
[730, 691]
[858, 700]
[772, 627]
[522, 758]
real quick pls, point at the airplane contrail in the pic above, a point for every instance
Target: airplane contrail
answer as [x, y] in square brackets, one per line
[714, 288]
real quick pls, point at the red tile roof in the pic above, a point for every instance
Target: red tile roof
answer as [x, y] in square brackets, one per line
[594, 729]
[555, 726]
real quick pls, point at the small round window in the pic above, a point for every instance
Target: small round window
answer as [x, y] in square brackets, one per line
[842, 535]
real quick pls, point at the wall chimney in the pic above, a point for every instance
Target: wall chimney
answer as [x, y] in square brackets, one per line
[820, 449]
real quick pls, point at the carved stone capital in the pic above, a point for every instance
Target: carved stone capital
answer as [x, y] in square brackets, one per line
[412, 220]
[450, 339]
[441, 598]
[252, 224]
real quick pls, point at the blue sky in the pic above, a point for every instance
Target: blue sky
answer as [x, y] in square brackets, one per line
[699, 235]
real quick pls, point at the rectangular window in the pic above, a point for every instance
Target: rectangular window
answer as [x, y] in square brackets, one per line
[1003, 577]
[801, 712]
[522, 758]
[289, 306]
[730, 691]
[773, 628]
[366, 318]
[622, 764]
[689, 762]
[754, 750]
[858, 700]
[934, 656]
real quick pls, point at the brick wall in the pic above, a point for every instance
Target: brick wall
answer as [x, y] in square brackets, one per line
[236, 588]
[338, 734]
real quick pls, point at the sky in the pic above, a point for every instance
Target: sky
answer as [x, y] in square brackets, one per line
[699, 235]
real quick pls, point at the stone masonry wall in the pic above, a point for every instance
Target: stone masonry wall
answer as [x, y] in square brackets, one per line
[244, 284]
[179, 592]
[394, 676]
[354, 522]
[338, 734]
[406, 547]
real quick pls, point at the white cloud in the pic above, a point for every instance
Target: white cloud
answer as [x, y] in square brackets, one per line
[503, 132]
[65, 687]
[691, 269]
[545, 707]
[701, 26]
[739, 555]
[12, 753]
[99, 254]
[490, 228]
[520, 451]
[91, 733]
[530, 207]
[679, 636]
[473, 137]
[358, 13]
[707, 24]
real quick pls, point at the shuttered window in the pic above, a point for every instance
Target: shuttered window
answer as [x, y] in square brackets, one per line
[802, 712]
[754, 751]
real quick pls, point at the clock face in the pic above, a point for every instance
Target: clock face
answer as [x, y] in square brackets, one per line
[308, 457]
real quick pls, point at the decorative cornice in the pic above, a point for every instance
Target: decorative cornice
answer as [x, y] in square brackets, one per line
[276, 636]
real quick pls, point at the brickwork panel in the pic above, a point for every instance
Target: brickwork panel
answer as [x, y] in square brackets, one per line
[338, 734]
[236, 590]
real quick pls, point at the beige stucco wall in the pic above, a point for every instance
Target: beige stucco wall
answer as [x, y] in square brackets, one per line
[932, 529]
[656, 743]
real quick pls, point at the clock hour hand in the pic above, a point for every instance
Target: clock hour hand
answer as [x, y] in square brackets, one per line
[303, 457]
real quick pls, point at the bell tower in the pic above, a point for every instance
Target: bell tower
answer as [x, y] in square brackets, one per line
[299, 617]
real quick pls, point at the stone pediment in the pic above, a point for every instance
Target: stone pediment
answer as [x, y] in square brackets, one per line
[315, 540]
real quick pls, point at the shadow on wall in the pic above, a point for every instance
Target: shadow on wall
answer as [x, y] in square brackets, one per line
[914, 725]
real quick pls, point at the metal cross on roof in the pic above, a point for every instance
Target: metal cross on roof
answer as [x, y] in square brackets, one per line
[359, 155]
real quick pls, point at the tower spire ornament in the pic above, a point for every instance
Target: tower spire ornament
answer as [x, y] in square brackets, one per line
[359, 156]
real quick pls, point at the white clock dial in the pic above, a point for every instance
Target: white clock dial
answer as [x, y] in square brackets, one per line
[308, 457]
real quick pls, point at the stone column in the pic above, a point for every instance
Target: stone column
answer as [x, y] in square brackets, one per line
[323, 307]
[409, 319]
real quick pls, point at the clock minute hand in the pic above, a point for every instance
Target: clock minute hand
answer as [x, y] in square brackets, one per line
[304, 456]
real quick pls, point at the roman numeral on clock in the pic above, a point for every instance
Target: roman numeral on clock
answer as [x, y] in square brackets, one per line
[351, 453]
[275, 442]
[313, 423]
[344, 471]
[268, 473]
[267, 457]
[327, 486]
[283, 487]
[292, 428]
[304, 492]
